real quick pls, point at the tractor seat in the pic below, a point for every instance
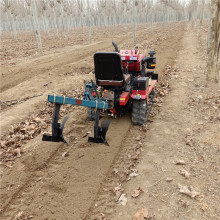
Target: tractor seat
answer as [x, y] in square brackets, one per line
[108, 69]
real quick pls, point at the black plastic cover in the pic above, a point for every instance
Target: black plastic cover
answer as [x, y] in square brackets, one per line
[151, 62]
[140, 83]
[152, 75]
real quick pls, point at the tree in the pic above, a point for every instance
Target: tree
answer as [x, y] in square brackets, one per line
[89, 21]
[202, 12]
[36, 26]
[214, 41]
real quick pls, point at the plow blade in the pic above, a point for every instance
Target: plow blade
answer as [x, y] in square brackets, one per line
[57, 128]
[100, 131]
[53, 139]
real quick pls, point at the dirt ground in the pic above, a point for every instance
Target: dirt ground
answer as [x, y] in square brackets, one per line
[169, 169]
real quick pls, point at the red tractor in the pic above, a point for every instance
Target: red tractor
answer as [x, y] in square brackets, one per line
[121, 82]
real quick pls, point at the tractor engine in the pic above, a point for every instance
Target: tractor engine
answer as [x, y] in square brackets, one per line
[131, 60]
[135, 63]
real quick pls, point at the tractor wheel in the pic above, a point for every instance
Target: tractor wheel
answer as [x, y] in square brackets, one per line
[91, 114]
[139, 113]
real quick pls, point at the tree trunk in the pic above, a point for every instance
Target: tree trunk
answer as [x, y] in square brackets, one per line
[134, 22]
[36, 26]
[202, 12]
[214, 42]
[89, 21]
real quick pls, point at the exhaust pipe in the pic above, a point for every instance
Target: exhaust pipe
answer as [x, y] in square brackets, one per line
[115, 46]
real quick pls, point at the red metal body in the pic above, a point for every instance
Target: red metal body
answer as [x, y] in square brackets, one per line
[124, 98]
[132, 62]
[144, 94]
[94, 93]
[131, 59]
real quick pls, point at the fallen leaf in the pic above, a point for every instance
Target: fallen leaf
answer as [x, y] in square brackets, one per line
[64, 154]
[80, 155]
[137, 192]
[38, 120]
[138, 138]
[38, 179]
[123, 199]
[144, 128]
[23, 130]
[101, 216]
[20, 216]
[179, 162]
[3, 145]
[17, 152]
[118, 192]
[162, 93]
[184, 173]
[133, 174]
[115, 171]
[141, 214]
[188, 141]
[11, 131]
[206, 141]
[182, 203]
[168, 179]
[189, 191]
[85, 135]
[204, 206]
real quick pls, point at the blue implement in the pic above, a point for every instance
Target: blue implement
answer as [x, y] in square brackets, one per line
[98, 104]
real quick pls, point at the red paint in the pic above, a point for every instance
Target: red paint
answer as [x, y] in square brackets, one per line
[131, 59]
[144, 93]
[78, 102]
[113, 111]
[124, 98]
[151, 87]
[93, 94]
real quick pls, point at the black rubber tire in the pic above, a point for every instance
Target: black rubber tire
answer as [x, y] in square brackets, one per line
[139, 113]
[91, 114]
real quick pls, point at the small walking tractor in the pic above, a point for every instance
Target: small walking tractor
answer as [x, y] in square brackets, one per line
[121, 83]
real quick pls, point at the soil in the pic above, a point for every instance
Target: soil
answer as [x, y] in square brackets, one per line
[83, 180]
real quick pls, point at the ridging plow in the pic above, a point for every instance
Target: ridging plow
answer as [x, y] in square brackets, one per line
[121, 83]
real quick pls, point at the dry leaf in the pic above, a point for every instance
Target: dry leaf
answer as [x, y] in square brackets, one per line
[144, 128]
[138, 138]
[123, 199]
[188, 141]
[101, 216]
[179, 162]
[141, 214]
[38, 120]
[137, 192]
[85, 135]
[182, 203]
[115, 171]
[64, 154]
[189, 191]
[11, 131]
[3, 145]
[23, 130]
[184, 173]
[17, 152]
[168, 179]
[20, 215]
[133, 174]
[204, 206]
[38, 179]
[118, 192]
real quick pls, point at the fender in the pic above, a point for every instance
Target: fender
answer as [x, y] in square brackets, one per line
[124, 98]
